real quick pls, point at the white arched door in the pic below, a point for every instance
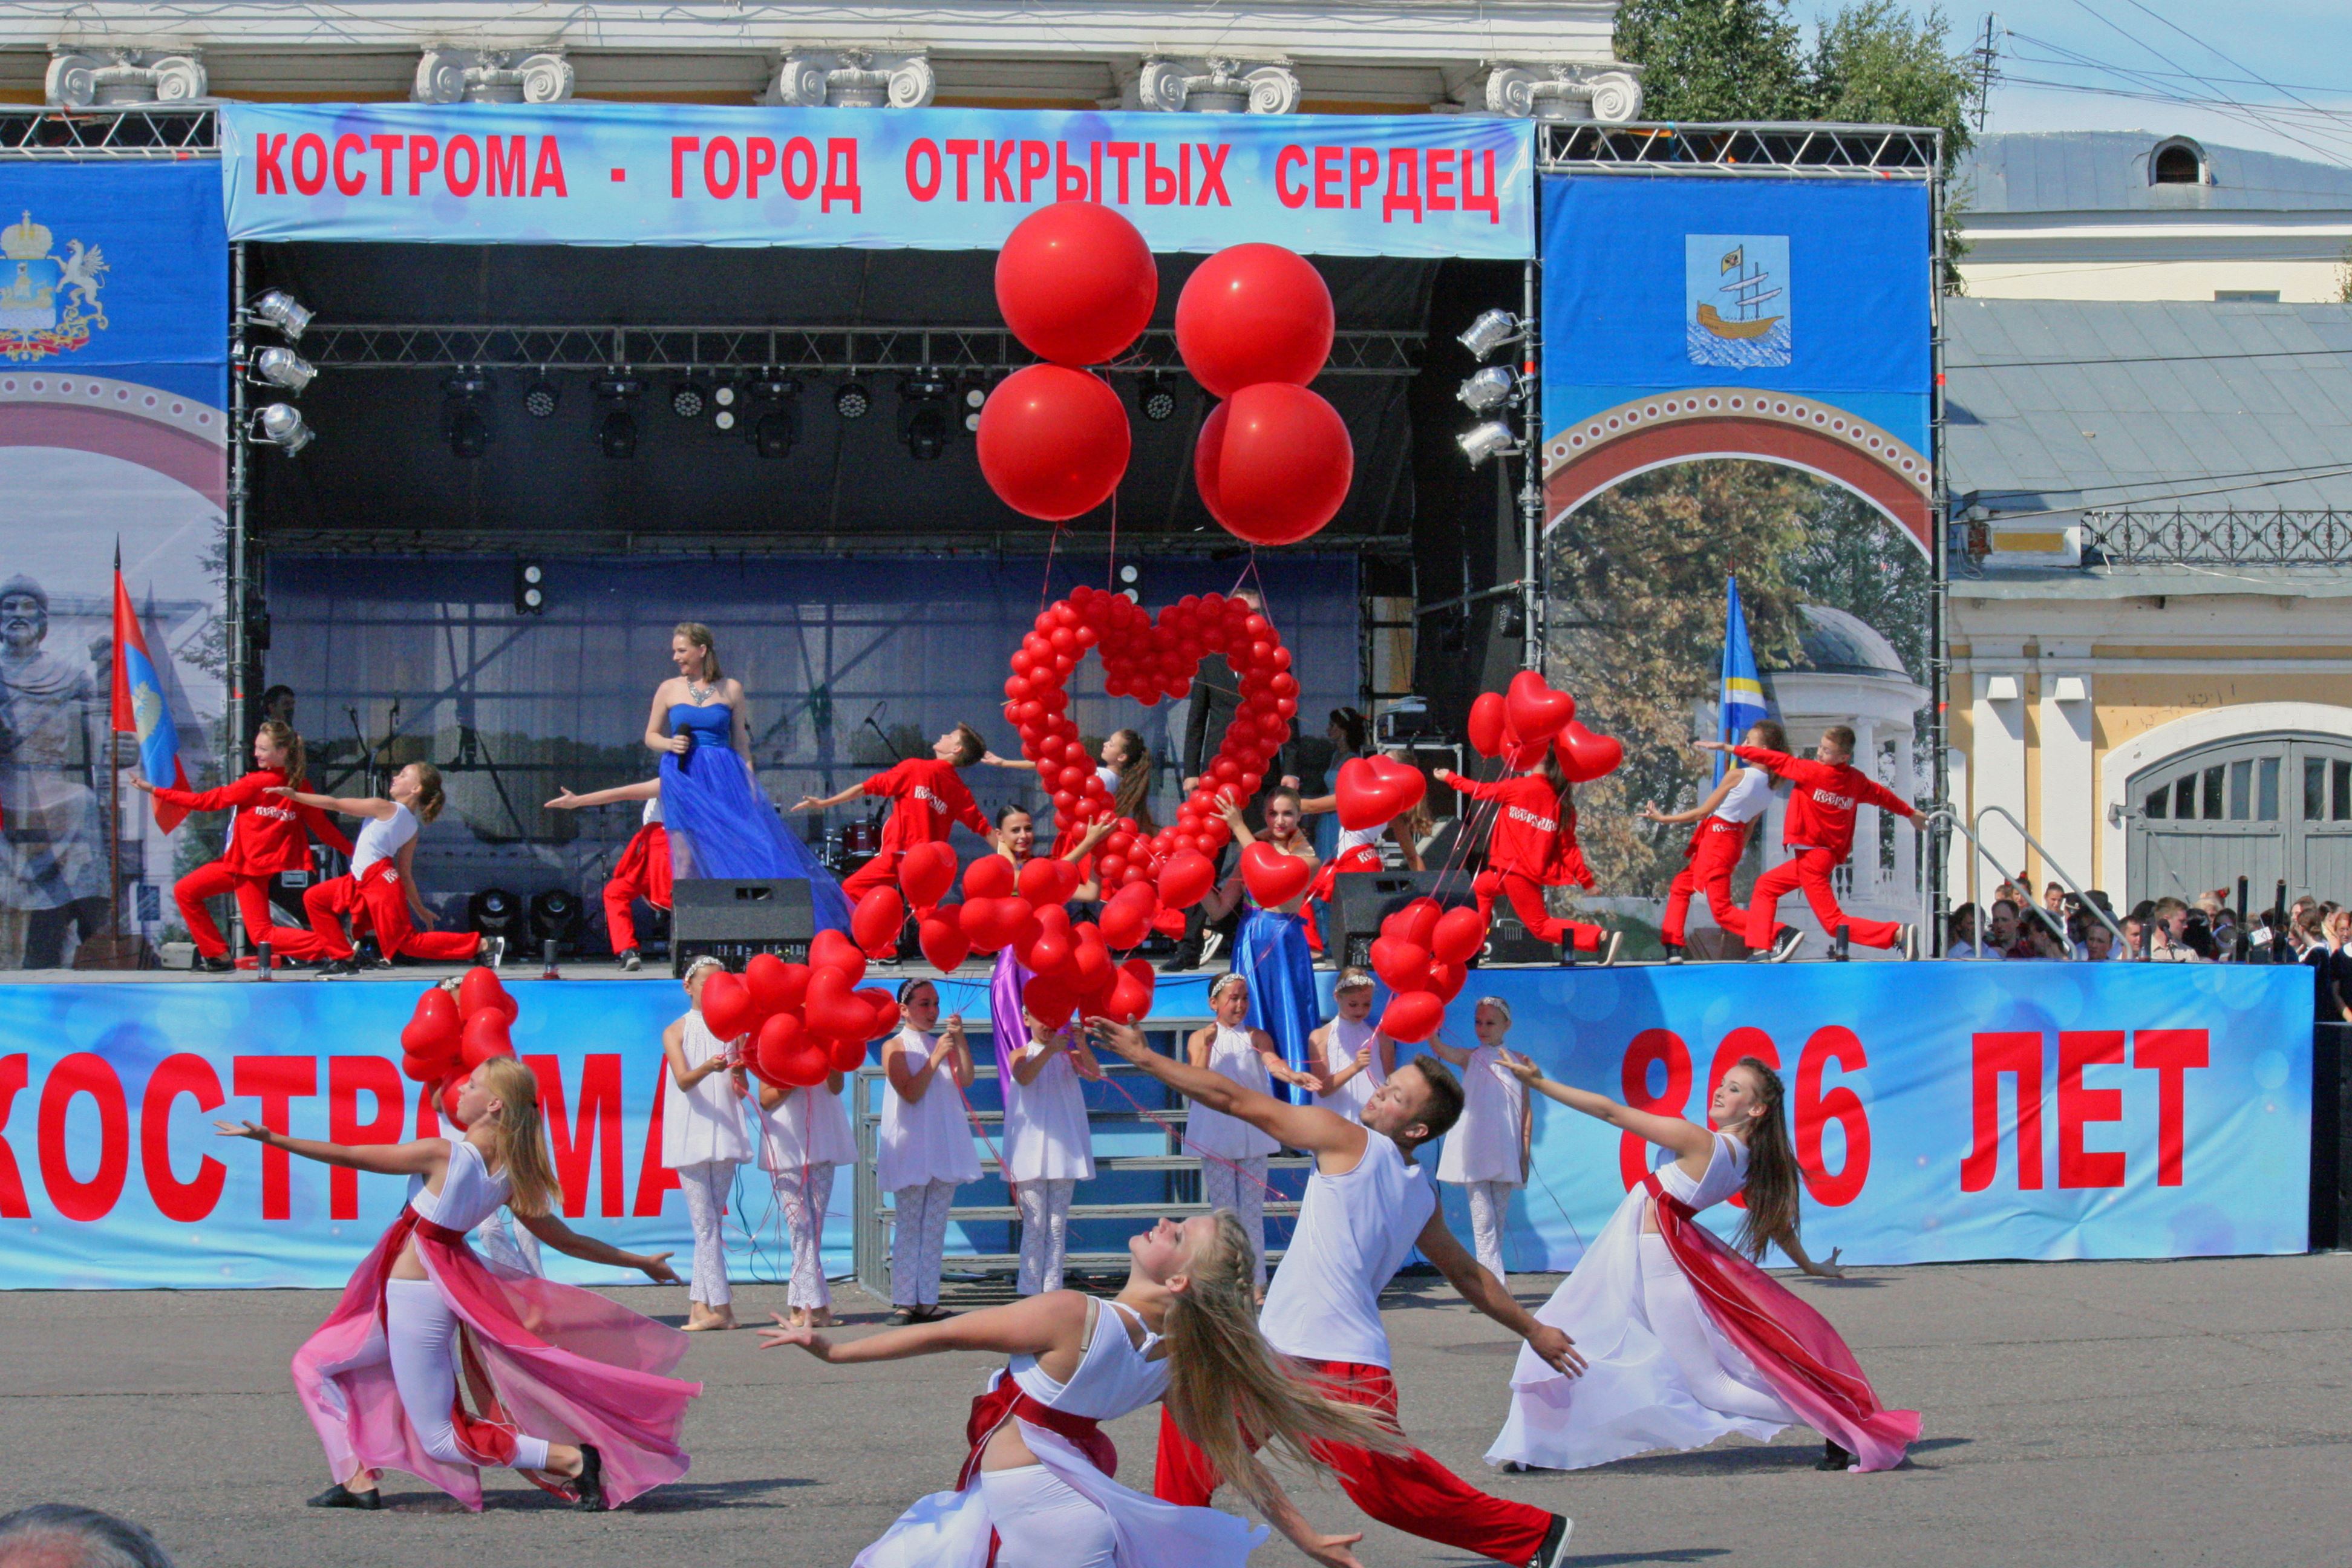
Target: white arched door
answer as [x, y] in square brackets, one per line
[2266, 807]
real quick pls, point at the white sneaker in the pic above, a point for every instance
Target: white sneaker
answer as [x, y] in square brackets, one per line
[1608, 949]
[1210, 945]
[1785, 947]
[1907, 939]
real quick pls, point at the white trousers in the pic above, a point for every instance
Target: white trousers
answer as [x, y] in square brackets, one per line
[918, 1239]
[1490, 1205]
[1240, 1185]
[803, 1192]
[421, 1340]
[707, 1187]
[1045, 1233]
[1042, 1521]
[1718, 1375]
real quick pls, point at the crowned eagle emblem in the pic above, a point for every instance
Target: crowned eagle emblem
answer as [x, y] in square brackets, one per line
[49, 302]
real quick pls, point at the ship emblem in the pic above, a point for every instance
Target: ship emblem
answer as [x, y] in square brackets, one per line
[1737, 307]
[48, 302]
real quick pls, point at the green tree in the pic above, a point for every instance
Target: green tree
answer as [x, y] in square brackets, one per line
[1715, 59]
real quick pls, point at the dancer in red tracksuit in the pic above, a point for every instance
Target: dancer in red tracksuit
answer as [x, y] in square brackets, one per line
[1819, 832]
[643, 872]
[1531, 846]
[928, 799]
[1716, 843]
[381, 890]
[267, 835]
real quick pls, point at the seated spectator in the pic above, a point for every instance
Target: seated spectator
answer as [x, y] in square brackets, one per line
[1960, 935]
[59, 1535]
[2168, 941]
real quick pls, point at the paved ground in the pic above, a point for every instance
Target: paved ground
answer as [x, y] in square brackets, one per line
[2076, 1414]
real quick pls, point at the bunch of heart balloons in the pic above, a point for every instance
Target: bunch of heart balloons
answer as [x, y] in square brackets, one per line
[1077, 285]
[1375, 790]
[1521, 724]
[448, 1036]
[800, 1021]
[1273, 461]
[1423, 955]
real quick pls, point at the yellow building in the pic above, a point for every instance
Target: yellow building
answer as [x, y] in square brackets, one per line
[2151, 597]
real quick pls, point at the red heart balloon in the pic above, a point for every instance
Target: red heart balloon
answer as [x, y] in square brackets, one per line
[417, 1072]
[450, 1090]
[885, 1008]
[1272, 877]
[1533, 710]
[848, 1056]
[1487, 720]
[1048, 1001]
[1417, 921]
[1412, 1017]
[776, 986]
[1077, 283]
[778, 1047]
[831, 949]
[834, 1011]
[1459, 934]
[480, 989]
[1042, 881]
[1409, 784]
[1445, 980]
[1585, 756]
[925, 872]
[727, 1007]
[1401, 965]
[1186, 878]
[1130, 991]
[990, 877]
[877, 920]
[1126, 922]
[1274, 464]
[486, 1037]
[435, 1028]
[1053, 442]
[1253, 313]
[945, 946]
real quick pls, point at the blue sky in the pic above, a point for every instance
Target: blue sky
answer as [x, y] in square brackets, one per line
[2280, 81]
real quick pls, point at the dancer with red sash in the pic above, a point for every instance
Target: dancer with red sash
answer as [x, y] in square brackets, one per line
[1819, 835]
[267, 837]
[643, 872]
[381, 890]
[1532, 846]
[1037, 1486]
[927, 798]
[1718, 841]
[1684, 1338]
[1368, 1205]
[380, 1377]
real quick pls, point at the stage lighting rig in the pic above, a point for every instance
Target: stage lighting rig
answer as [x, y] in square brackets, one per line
[726, 408]
[529, 588]
[283, 368]
[281, 426]
[970, 397]
[616, 427]
[923, 422]
[462, 421]
[1155, 398]
[1490, 388]
[853, 401]
[539, 399]
[1492, 329]
[688, 399]
[277, 308]
[775, 429]
[1130, 583]
[1492, 439]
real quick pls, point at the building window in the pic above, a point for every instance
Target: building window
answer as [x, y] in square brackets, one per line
[2178, 161]
[2245, 296]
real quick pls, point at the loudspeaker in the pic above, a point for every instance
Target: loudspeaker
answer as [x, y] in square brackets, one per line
[1360, 900]
[731, 920]
[1508, 942]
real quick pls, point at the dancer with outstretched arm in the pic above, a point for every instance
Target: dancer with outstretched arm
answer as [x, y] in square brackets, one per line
[1684, 1338]
[380, 1378]
[1038, 1490]
[1367, 1205]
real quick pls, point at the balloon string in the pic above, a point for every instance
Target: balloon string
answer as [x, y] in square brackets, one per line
[1110, 575]
[1170, 1128]
[1045, 588]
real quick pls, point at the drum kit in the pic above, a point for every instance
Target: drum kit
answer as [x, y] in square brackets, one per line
[850, 844]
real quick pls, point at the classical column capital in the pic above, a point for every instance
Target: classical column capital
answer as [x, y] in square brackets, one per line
[97, 78]
[852, 79]
[492, 76]
[1608, 92]
[1216, 85]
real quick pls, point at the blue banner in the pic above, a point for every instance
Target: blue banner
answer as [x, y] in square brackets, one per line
[1739, 317]
[1942, 1111]
[926, 179]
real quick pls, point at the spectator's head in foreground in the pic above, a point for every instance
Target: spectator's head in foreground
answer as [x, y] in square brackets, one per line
[57, 1535]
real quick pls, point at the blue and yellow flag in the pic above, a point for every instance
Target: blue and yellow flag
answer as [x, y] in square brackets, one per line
[1742, 699]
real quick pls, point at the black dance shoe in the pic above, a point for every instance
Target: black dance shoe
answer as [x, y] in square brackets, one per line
[1554, 1550]
[341, 1496]
[338, 968]
[590, 1481]
[215, 963]
[1833, 1459]
[632, 959]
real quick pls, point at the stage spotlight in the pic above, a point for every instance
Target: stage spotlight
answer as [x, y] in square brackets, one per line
[772, 437]
[970, 397]
[494, 911]
[618, 386]
[1130, 583]
[555, 915]
[688, 398]
[616, 433]
[726, 416]
[280, 309]
[1157, 399]
[923, 416]
[852, 402]
[462, 423]
[1489, 388]
[529, 588]
[284, 367]
[1490, 331]
[540, 399]
[1492, 439]
[282, 427]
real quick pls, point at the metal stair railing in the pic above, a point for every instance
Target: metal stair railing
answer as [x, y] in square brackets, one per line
[1950, 818]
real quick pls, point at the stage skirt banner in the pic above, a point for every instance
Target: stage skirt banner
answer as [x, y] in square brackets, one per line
[1942, 1112]
[925, 179]
[1786, 321]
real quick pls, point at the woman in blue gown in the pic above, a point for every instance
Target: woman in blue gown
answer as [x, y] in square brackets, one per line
[720, 823]
[1271, 951]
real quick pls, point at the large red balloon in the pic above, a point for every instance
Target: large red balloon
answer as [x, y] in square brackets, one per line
[1535, 711]
[1487, 720]
[926, 871]
[1185, 879]
[1585, 756]
[1412, 1017]
[876, 919]
[1273, 463]
[486, 1037]
[1077, 283]
[480, 989]
[1375, 790]
[728, 1010]
[1273, 877]
[1054, 442]
[1253, 313]
[944, 943]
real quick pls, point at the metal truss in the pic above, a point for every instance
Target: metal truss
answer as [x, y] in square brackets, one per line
[130, 134]
[2231, 538]
[707, 545]
[1783, 151]
[812, 350]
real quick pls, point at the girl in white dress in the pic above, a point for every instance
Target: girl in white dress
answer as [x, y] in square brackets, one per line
[1685, 1339]
[1486, 1153]
[1233, 1154]
[804, 1134]
[1048, 1147]
[1349, 1054]
[1038, 1477]
[703, 1140]
[927, 1149]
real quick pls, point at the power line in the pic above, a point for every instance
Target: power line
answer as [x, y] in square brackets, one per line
[2230, 106]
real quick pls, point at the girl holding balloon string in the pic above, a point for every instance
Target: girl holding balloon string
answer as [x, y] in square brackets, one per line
[703, 1142]
[1271, 951]
[803, 1136]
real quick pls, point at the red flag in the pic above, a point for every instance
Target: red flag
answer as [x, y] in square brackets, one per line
[140, 707]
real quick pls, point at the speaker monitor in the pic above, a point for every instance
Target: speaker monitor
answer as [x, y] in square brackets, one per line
[1361, 900]
[731, 920]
